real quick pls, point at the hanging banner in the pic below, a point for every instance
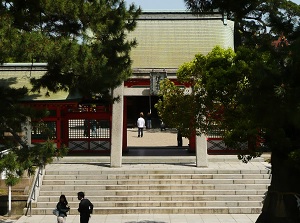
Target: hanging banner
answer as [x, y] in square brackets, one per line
[155, 78]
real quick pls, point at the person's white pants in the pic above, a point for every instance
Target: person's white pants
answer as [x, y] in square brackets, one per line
[61, 219]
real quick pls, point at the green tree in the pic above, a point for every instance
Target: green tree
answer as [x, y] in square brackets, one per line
[167, 107]
[85, 46]
[254, 97]
[19, 157]
[267, 104]
[257, 22]
[83, 42]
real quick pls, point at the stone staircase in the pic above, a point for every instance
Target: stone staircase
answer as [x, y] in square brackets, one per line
[177, 190]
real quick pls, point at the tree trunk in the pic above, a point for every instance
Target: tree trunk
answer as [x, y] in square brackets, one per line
[282, 203]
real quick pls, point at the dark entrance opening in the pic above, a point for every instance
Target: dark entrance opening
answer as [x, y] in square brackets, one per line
[145, 104]
[155, 142]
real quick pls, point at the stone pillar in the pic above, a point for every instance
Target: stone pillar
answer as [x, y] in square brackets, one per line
[117, 128]
[201, 151]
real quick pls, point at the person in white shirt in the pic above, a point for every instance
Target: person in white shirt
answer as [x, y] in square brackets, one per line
[141, 124]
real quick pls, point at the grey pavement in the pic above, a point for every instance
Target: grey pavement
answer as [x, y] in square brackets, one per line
[146, 218]
[154, 138]
[167, 138]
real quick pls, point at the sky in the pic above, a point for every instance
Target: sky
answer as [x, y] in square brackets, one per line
[167, 5]
[159, 4]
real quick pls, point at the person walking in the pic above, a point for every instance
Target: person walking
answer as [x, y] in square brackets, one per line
[94, 128]
[149, 125]
[63, 208]
[86, 128]
[85, 208]
[141, 124]
[179, 139]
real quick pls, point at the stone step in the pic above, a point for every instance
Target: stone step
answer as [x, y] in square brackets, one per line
[159, 210]
[148, 189]
[157, 171]
[155, 192]
[187, 197]
[155, 176]
[78, 187]
[153, 182]
[161, 204]
[151, 159]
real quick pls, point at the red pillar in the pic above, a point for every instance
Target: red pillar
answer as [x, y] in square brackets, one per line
[192, 142]
[58, 127]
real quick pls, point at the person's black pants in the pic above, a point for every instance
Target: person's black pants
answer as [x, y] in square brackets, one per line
[84, 218]
[140, 132]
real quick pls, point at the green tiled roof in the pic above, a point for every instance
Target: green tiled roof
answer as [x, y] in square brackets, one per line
[167, 40]
[18, 75]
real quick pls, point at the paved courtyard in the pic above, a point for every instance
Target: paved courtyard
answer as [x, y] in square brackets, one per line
[141, 218]
[154, 138]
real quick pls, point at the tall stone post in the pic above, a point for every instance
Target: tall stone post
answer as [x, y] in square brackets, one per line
[201, 151]
[117, 128]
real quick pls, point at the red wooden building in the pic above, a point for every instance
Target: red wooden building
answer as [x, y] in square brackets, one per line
[165, 41]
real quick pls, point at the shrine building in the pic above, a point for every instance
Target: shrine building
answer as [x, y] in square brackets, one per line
[165, 40]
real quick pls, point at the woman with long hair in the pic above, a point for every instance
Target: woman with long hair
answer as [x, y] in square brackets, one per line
[63, 208]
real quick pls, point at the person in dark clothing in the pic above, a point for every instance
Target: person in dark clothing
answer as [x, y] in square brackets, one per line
[148, 121]
[85, 208]
[94, 128]
[179, 139]
[162, 125]
[63, 208]
[86, 128]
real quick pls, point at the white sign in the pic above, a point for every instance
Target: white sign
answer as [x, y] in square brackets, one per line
[155, 78]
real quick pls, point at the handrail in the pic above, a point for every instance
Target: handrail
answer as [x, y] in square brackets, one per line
[3, 174]
[33, 192]
[4, 151]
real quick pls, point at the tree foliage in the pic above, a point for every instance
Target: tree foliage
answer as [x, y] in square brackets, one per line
[256, 21]
[83, 42]
[18, 157]
[254, 97]
[85, 46]
[219, 88]
[252, 94]
[172, 99]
